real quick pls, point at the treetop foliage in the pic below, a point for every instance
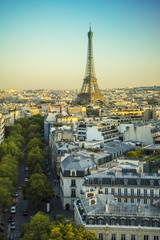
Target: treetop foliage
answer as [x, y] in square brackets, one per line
[136, 154]
[42, 228]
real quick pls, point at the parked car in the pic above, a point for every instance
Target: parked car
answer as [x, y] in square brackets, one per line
[11, 219]
[13, 227]
[13, 209]
[25, 213]
[15, 194]
[26, 179]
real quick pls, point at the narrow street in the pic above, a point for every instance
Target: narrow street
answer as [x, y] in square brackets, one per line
[21, 203]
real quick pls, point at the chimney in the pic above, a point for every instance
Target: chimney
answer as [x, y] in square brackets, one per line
[92, 156]
[107, 206]
[139, 207]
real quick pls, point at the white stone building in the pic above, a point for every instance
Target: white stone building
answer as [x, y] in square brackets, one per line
[116, 221]
[73, 170]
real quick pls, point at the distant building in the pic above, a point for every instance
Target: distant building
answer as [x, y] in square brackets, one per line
[139, 133]
[96, 131]
[49, 121]
[77, 111]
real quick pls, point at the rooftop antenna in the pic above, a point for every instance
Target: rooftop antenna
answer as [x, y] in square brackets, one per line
[90, 26]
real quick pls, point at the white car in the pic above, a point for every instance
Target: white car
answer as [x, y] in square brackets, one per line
[13, 226]
[13, 209]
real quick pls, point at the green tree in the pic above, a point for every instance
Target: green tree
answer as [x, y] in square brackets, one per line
[5, 197]
[64, 229]
[9, 169]
[37, 119]
[34, 142]
[39, 228]
[37, 168]
[35, 156]
[9, 147]
[17, 138]
[136, 154]
[16, 128]
[38, 188]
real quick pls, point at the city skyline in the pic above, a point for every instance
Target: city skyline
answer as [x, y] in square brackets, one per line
[44, 43]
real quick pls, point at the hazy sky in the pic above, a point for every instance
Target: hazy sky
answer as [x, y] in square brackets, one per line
[43, 43]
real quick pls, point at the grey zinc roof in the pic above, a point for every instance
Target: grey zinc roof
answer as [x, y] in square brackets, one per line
[113, 147]
[78, 163]
[116, 208]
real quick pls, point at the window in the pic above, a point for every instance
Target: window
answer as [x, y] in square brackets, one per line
[123, 237]
[106, 191]
[119, 191]
[138, 192]
[145, 237]
[119, 199]
[73, 192]
[113, 237]
[100, 221]
[145, 192]
[73, 182]
[145, 223]
[132, 192]
[155, 223]
[112, 191]
[125, 192]
[123, 221]
[156, 238]
[113, 221]
[133, 237]
[132, 222]
[145, 201]
[151, 193]
[90, 221]
[73, 173]
[101, 236]
[132, 200]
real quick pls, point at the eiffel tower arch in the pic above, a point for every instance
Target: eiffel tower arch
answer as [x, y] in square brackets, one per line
[90, 92]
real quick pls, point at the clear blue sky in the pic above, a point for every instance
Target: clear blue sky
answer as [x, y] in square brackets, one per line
[43, 43]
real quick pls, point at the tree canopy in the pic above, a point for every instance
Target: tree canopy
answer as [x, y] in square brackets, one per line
[41, 228]
[136, 154]
[64, 229]
[35, 156]
[38, 188]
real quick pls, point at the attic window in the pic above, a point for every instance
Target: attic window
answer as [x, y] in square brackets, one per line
[151, 182]
[73, 173]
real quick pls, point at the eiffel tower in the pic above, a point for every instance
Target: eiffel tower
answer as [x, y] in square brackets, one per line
[90, 92]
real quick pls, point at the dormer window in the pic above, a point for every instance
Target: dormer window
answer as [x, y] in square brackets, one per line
[151, 182]
[125, 181]
[138, 181]
[73, 173]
